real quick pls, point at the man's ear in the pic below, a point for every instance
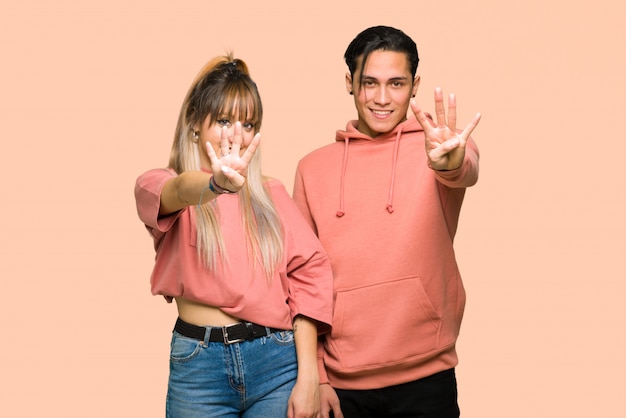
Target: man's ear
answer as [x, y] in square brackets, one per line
[416, 84]
[349, 83]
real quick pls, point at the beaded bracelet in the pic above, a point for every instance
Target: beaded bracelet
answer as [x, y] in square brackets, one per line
[217, 189]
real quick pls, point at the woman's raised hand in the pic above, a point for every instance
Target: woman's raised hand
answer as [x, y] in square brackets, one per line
[230, 169]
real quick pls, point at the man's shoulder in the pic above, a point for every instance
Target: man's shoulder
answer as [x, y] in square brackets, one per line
[323, 153]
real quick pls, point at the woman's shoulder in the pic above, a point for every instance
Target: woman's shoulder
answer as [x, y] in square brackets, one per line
[276, 189]
[157, 173]
[273, 183]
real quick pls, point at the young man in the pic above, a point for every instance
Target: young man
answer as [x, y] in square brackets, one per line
[385, 199]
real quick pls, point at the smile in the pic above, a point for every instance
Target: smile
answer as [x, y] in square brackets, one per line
[381, 112]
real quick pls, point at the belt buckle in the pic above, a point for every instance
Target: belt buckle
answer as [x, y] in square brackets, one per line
[228, 341]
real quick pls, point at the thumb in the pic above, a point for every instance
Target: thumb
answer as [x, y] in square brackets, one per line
[421, 116]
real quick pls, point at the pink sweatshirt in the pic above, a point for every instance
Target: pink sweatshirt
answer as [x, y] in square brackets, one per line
[302, 284]
[387, 222]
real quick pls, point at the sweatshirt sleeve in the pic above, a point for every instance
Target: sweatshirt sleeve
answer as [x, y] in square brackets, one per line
[148, 188]
[299, 197]
[321, 367]
[308, 270]
[310, 278]
[467, 174]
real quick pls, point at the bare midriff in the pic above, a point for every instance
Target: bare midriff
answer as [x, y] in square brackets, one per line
[203, 315]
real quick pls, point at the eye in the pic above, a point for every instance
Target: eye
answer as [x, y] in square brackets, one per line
[223, 122]
[248, 126]
[397, 84]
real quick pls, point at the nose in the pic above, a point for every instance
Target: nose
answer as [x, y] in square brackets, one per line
[382, 96]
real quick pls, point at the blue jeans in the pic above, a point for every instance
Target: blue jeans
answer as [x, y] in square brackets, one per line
[248, 379]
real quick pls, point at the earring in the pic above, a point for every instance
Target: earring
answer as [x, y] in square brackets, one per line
[196, 136]
[351, 94]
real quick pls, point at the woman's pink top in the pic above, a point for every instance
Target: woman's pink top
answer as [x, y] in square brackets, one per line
[301, 285]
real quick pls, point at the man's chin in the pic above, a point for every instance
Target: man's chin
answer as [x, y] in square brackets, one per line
[380, 128]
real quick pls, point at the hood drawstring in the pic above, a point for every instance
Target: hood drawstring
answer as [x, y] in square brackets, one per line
[344, 164]
[409, 126]
[396, 147]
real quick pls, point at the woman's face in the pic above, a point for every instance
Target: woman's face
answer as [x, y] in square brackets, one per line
[212, 133]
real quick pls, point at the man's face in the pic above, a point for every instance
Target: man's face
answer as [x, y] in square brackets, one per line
[386, 86]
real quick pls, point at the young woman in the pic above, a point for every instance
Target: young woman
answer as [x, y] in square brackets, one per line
[252, 284]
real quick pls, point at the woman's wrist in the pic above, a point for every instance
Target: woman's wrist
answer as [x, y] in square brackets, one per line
[217, 189]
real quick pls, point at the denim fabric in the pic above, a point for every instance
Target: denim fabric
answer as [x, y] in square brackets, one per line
[251, 379]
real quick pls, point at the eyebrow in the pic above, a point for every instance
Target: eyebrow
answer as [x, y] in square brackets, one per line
[369, 77]
[234, 111]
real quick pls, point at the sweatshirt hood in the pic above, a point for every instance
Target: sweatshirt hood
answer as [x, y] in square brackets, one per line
[352, 134]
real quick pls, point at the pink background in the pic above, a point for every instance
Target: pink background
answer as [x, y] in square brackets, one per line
[89, 96]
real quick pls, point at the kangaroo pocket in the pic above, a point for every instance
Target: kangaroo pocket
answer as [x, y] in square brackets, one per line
[383, 324]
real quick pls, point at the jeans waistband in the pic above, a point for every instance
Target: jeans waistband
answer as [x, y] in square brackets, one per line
[243, 331]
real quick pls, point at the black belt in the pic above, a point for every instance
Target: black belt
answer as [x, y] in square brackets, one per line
[243, 331]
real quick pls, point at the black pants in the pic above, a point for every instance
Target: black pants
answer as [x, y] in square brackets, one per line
[431, 397]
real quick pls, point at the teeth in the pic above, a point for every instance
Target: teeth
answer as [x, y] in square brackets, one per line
[381, 112]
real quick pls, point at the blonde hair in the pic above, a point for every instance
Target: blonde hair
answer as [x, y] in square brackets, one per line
[223, 86]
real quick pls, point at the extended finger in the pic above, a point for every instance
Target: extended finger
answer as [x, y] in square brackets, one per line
[452, 112]
[224, 142]
[421, 117]
[213, 158]
[470, 126]
[251, 149]
[237, 139]
[440, 111]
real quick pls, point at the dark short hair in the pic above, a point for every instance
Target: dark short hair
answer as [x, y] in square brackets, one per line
[380, 38]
